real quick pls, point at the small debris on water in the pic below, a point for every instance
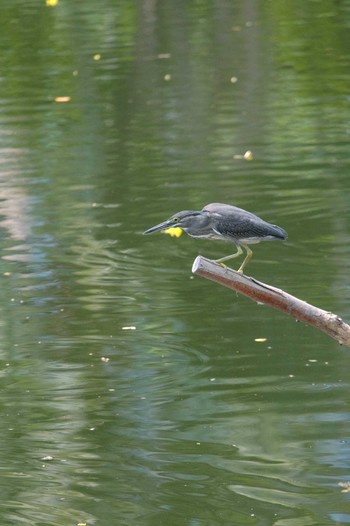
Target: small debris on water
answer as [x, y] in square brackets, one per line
[247, 156]
[345, 486]
[129, 328]
[63, 99]
[260, 340]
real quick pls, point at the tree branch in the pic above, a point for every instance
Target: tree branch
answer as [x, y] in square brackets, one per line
[276, 298]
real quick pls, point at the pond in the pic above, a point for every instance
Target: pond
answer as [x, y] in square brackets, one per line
[132, 391]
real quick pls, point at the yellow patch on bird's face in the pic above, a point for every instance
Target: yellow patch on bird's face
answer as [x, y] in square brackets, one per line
[174, 231]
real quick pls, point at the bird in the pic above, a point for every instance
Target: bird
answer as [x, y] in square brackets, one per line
[223, 222]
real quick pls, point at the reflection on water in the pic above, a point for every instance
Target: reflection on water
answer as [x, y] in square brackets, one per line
[131, 389]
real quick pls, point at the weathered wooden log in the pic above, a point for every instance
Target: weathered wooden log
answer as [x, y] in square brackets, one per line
[325, 321]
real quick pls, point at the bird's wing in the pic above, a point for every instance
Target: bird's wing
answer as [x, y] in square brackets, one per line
[243, 226]
[236, 223]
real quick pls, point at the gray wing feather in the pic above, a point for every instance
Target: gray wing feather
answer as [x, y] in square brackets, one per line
[236, 223]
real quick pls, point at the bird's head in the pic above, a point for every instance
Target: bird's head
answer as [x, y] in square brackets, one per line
[187, 219]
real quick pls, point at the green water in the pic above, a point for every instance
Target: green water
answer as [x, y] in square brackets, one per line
[133, 392]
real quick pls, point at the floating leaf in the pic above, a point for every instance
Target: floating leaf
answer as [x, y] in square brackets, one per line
[62, 99]
[345, 486]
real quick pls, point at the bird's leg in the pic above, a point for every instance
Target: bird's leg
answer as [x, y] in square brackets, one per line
[247, 259]
[235, 255]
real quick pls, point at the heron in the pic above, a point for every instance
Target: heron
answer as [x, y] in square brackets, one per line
[225, 223]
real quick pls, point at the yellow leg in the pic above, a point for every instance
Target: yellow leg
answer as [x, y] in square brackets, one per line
[235, 255]
[247, 259]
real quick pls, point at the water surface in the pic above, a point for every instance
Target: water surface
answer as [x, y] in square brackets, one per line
[132, 392]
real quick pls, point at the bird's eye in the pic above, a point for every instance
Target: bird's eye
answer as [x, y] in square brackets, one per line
[175, 219]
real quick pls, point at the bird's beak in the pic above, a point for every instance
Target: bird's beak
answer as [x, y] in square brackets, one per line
[161, 226]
